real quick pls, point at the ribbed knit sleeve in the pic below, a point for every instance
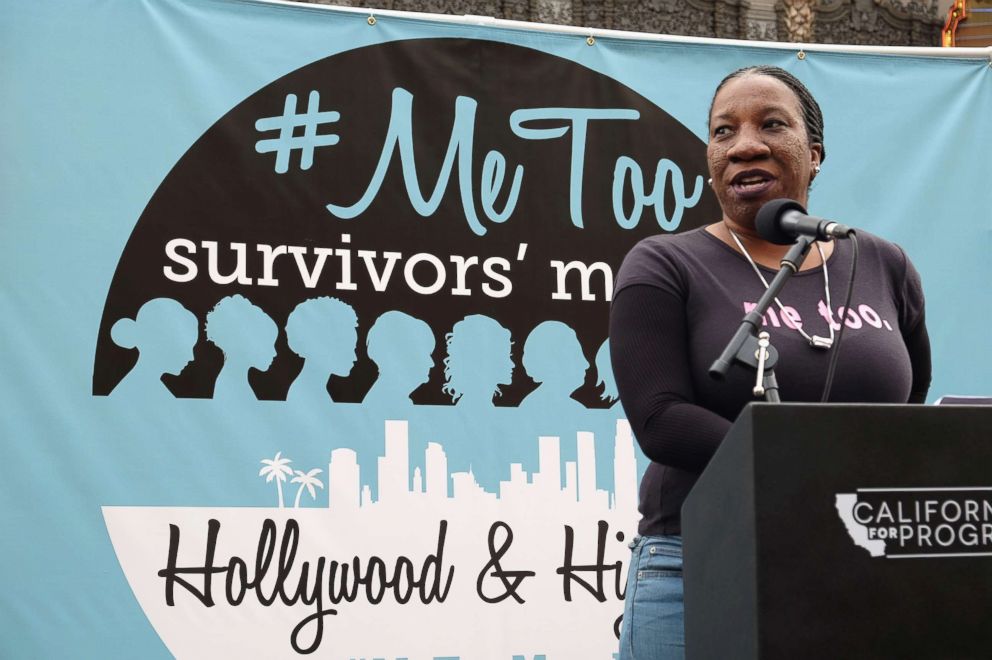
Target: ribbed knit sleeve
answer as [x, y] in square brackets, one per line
[649, 347]
[914, 328]
[918, 345]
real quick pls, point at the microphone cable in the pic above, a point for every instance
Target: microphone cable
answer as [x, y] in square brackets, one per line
[832, 367]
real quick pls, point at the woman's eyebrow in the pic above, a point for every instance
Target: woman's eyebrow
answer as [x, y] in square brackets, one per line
[764, 110]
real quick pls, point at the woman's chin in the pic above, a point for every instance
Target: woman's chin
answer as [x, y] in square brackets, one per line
[742, 213]
[756, 195]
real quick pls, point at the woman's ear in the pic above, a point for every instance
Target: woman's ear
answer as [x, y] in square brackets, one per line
[817, 152]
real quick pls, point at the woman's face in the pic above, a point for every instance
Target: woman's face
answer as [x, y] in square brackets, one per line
[344, 357]
[263, 351]
[758, 149]
[502, 364]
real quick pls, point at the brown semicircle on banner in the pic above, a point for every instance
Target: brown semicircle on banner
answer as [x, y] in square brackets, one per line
[224, 190]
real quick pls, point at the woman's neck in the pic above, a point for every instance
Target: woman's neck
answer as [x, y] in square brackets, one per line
[762, 252]
[232, 382]
[386, 390]
[145, 378]
[311, 380]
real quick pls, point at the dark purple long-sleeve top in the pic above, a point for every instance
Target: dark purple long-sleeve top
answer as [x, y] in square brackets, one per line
[679, 298]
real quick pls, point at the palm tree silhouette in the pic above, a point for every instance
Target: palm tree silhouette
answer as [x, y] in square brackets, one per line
[276, 468]
[306, 480]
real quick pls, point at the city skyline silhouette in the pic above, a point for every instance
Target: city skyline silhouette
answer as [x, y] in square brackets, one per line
[399, 481]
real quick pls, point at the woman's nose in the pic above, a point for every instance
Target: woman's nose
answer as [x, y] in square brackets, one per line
[747, 145]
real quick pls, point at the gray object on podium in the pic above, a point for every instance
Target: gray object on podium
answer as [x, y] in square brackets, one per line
[843, 531]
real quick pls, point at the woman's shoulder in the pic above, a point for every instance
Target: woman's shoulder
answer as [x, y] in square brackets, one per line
[880, 245]
[885, 263]
[661, 258]
[662, 246]
[890, 256]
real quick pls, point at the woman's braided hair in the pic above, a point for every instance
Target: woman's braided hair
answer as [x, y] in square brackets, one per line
[812, 115]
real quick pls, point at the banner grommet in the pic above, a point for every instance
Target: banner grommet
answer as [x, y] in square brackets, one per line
[590, 40]
[371, 20]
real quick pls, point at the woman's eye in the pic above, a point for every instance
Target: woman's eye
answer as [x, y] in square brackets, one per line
[774, 123]
[721, 130]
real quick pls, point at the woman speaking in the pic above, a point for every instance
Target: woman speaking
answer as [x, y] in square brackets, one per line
[679, 298]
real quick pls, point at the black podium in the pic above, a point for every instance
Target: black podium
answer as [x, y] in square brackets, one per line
[842, 532]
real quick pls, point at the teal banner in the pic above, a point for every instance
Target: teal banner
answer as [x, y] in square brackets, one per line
[304, 345]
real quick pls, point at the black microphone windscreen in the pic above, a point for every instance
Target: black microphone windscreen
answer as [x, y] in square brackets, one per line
[768, 222]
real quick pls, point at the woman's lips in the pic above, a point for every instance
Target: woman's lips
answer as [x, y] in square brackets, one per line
[751, 187]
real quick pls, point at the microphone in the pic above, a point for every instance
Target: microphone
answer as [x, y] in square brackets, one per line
[782, 221]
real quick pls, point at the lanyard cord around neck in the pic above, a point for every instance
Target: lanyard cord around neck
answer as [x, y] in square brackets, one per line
[815, 341]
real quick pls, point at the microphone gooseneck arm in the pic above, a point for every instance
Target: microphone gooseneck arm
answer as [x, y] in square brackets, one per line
[743, 347]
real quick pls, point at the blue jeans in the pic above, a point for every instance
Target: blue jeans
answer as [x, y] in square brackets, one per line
[653, 625]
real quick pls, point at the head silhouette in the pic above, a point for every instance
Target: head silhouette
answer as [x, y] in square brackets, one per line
[478, 360]
[604, 372]
[164, 332]
[401, 347]
[323, 332]
[244, 333]
[553, 357]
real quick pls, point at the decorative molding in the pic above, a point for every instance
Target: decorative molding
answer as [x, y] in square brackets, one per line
[760, 30]
[555, 12]
[701, 18]
[492, 8]
[870, 22]
[762, 24]
[873, 22]
[798, 17]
